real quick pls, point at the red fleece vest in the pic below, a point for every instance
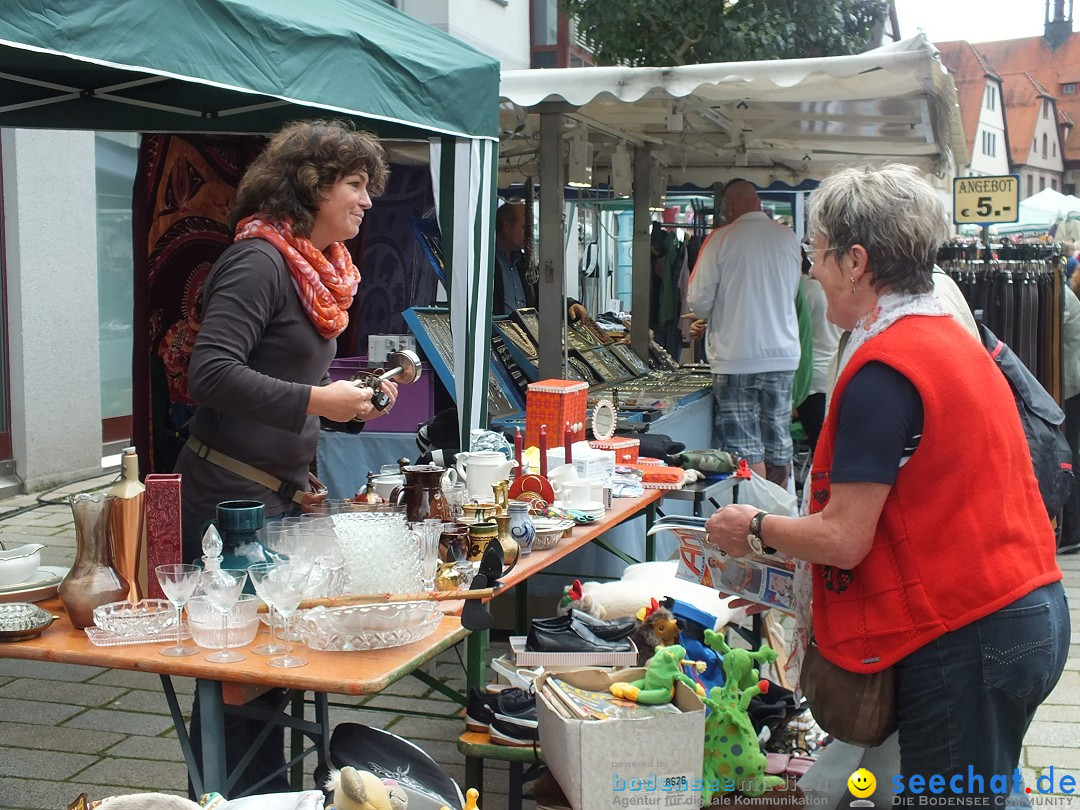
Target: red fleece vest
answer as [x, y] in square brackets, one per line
[963, 531]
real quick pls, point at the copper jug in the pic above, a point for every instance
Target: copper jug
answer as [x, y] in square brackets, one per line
[93, 580]
[422, 493]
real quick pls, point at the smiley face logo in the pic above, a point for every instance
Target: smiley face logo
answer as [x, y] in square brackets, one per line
[861, 783]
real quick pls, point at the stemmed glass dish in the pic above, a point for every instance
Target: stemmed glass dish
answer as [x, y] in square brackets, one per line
[285, 583]
[222, 588]
[178, 581]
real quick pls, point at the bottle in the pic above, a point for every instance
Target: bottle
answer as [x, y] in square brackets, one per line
[128, 518]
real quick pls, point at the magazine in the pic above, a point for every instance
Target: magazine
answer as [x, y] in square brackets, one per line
[585, 704]
[764, 579]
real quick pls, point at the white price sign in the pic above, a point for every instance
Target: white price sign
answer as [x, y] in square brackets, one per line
[986, 200]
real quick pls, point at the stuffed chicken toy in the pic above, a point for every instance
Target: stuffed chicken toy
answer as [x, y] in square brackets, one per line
[362, 790]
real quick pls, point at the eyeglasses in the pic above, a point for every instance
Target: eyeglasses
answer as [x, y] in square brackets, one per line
[809, 250]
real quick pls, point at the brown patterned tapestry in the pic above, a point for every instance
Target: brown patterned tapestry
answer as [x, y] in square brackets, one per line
[183, 192]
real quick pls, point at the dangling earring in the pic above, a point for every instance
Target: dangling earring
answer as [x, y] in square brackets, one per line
[852, 285]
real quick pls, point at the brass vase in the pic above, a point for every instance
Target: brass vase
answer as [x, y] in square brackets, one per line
[93, 579]
[509, 545]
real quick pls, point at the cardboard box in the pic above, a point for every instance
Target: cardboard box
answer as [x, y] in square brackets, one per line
[379, 347]
[610, 763]
[555, 403]
[598, 464]
[527, 658]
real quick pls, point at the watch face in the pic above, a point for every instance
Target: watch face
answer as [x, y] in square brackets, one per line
[754, 542]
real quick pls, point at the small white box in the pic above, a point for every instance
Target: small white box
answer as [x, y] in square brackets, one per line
[527, 658]
[379, 347]
[650, 761]
[591, 463]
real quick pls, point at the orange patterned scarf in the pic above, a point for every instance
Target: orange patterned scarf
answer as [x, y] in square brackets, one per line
[326, 284]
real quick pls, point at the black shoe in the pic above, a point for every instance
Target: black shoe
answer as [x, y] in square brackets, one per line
[575, 637]
[514, 731]
[609, 630]
[483, 707]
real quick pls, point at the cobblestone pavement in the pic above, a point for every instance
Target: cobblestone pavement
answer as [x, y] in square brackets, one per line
[68, 729]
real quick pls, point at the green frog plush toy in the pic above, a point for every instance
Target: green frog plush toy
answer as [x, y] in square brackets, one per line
[733, 758]
[661, 673]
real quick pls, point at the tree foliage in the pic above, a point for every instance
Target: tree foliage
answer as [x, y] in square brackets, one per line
[683, 32]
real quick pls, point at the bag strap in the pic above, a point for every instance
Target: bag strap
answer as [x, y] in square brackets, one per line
[283, 488]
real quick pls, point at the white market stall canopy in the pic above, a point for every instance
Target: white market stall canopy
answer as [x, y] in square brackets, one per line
[1039, 212]
[780, 120]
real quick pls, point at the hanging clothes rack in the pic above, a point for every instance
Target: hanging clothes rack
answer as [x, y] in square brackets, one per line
[1016, 290]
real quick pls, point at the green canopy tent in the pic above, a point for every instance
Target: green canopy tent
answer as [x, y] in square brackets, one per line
[249, 66]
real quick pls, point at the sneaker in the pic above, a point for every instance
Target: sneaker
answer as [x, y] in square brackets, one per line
[482, 707]
[514, 731]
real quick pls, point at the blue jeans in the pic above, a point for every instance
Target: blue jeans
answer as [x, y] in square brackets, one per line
[967, 698]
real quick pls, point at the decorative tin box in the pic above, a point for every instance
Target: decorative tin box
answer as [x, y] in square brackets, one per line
[625, 449]
[554, 403]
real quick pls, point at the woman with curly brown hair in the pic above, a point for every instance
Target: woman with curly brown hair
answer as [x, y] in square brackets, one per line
[274, 304]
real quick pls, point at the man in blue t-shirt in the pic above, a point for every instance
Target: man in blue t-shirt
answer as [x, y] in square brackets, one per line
[513, 290]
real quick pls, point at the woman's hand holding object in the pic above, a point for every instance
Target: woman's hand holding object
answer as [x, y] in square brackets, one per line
[728, 527]
[340, 401]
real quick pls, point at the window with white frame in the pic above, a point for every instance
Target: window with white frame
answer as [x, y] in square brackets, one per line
[1069, 88]
[1046, 108]
[990, 96]
[1045, 141]
[989, 143]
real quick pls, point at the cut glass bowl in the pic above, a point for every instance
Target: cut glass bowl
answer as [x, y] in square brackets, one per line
[368, 627]
[147, 617]
[21, 620]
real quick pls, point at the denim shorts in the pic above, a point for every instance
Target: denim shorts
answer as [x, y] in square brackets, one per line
[753, 415]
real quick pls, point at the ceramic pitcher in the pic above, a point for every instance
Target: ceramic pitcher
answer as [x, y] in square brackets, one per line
[482, 470]
[422, 493]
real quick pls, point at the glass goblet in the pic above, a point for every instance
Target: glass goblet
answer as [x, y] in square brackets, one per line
[222, 588]
[259, 574]
[287, 583]
[428, 532]
[178, 581]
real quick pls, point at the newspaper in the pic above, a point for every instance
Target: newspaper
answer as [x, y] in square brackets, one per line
[763, 579]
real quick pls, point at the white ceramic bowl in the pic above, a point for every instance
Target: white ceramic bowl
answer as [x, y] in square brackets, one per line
[19, 564]
[204, 621]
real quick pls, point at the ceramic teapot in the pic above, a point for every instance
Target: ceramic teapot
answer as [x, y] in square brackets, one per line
[481, 470]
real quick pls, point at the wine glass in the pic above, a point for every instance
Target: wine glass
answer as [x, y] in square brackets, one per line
[259, 573]
[178, 582]
[222, 588]
[286, 583]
